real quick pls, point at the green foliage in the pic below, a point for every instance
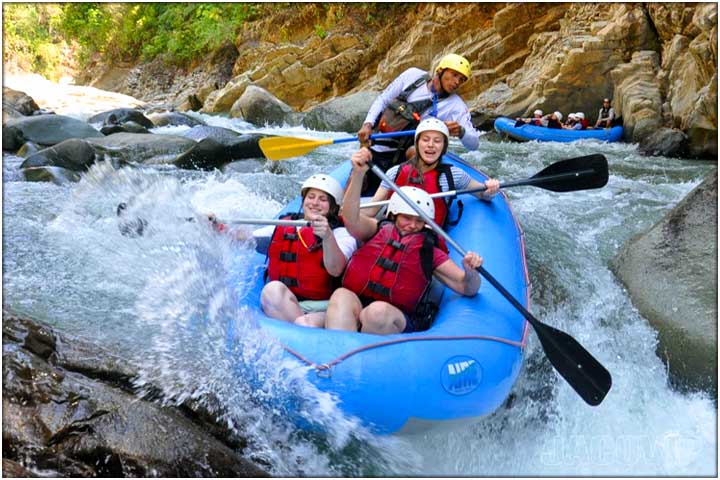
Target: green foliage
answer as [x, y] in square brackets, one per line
[28, 37]
[320, 31]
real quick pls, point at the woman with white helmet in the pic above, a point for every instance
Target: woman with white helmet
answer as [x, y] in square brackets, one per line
[427, 171]
[304, 263]
[388, 275]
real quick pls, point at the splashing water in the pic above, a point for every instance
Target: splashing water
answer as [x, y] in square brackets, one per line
[161, 300]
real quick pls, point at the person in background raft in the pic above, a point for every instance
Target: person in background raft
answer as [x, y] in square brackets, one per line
[304, 263]
[606, 115]
[427, 171]
[412, 96]
[537, 120]
[554, 120]
[386, 278]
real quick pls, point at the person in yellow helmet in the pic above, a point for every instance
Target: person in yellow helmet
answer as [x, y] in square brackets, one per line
[414, 96]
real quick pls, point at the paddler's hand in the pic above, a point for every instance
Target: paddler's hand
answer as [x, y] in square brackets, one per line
[492, 186]
[364, 133]
[455, 129]
[471, 261]
[359, 160]
[320, 225]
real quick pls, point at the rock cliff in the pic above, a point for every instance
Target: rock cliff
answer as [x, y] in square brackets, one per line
[658, 61]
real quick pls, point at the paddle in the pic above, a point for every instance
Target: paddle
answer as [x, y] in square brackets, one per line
[280, 148]
[579, 368]
[262, 221]
[572, 174]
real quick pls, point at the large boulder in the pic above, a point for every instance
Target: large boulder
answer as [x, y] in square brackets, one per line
[667, 142]
[120, 116]
[74, 154]
[259, 107]
[52, 174]
[17, 104]
[163, 119]
[45, 130]
[210, 154]
[344, 114]
[671, 274]
[219, 134]
[69, 407]
[141, 148]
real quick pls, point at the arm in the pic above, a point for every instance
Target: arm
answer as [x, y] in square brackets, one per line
[457, 117]
[380, 195]
[333, 257]
[492, 185]
[361, 227]
[466, 280]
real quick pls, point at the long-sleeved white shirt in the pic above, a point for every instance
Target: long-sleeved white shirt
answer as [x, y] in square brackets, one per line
[450, 108]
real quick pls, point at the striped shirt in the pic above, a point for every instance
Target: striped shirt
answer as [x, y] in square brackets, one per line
[461, 179]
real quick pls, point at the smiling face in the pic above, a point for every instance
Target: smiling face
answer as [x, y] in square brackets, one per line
[451, 80]
[407, 224]
[430, 146]
[316, 202]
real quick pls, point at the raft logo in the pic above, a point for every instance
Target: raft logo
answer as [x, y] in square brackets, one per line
[461, 375]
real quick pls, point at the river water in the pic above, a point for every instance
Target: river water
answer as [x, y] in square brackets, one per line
[161, 301]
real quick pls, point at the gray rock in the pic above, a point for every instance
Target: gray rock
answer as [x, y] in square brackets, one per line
[666, 142]
[671, 275]
[44, 130]
[343, 114]
[28, 149]
[18, 101]
[56, 175]
[174, 118]
[129, 127]
[210, 154]
[141, 148]
[260, 107]
[219, 134]
[69, 408]
[121, 115]
[74, 154]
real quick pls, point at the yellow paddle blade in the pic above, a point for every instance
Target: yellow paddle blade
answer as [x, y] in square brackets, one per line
[280, 148]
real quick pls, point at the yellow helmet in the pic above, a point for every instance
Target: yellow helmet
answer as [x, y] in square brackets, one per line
[456, 62]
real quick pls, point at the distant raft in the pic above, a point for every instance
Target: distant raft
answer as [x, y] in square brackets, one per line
[463, 367]
[526, 133]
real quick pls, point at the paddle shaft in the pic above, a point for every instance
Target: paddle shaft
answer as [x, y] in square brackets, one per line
[378, 136]
[533, 181]
[262, 221]
[577, 366]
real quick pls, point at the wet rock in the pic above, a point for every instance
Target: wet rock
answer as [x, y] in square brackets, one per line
[671, 275]
[28, 149]
[219, 134]
[173, 118]
[129, 127]
[141, 148]
[56, 175]
[120, 116]
[666, 142]
[209, 154]
[45, 130]
[74, 154]
[20, 102]
[343, 114]
[259, 107]
[69, 409]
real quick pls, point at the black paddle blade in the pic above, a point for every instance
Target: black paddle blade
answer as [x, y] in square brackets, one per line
[581, 173]
[581, 370]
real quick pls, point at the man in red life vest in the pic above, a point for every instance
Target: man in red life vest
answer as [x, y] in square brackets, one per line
[386, 277]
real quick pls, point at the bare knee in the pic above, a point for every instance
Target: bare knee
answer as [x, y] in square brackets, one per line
[343, 310]
[382, 318]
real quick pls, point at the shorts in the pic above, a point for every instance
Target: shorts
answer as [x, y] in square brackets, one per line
[409, 319]
[313, 306]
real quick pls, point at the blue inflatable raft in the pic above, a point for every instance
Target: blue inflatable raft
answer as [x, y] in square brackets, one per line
[463, 367]
[525, 133]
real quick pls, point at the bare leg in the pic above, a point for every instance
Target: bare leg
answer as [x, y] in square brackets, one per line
[343, 311]
[314, 319]
[382, 318]
[279, 302]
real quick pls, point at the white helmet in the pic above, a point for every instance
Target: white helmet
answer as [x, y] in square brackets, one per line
[538, 112]
[432, 124]
[559, 116]
[580, 115]
[572, 116]
[419, 196]
[326, 183]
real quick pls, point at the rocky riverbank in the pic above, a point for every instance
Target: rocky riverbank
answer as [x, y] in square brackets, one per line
[658, 61]
[70, 409]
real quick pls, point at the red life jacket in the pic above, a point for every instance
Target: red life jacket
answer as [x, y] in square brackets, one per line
[392, 268]
[584, 124]
[295, 257]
